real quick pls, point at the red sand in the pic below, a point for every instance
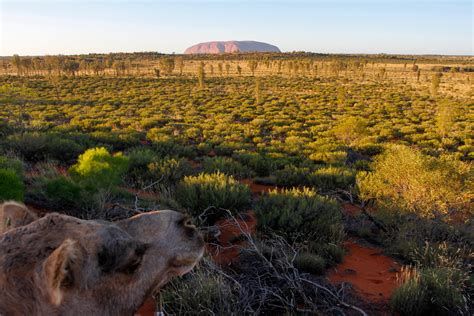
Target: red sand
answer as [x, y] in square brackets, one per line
[147, 195]
[373, 275]
[351, 209]
[256, 188]
[230, 229]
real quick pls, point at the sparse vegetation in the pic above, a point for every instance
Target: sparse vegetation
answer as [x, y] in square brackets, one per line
[198, 193]
[393, 133]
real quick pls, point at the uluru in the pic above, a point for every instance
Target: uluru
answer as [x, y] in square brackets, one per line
[219, 47]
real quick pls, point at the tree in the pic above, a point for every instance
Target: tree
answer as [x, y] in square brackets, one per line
[239, 70]
[253, 64]
[435, 81]
[180, 65]
[71, 67]
[227, 69]
[167, 65]
[98, 67]
[201, 75]
[26, 64]
[16, 61]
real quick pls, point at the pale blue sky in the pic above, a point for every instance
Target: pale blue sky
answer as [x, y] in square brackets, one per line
[338, 26]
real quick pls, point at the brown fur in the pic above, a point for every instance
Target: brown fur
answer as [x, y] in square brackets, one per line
[14, 214]
[60, 265]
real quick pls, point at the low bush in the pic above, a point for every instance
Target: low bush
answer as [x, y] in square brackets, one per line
[330, 178]
[431, 291]
[64, 193]
[301, 215]
[11, 185]
[292, 176]
[12, 163]
[227, 166]
[406, 180]
[196, 193]
[199, 293]
[310, 263]
[332, 253]
[139, 159]
[37, 147]
[259, 163]
[170, 171]
[97, 169]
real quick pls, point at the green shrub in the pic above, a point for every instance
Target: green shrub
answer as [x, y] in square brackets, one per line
[301, 215]
[310, 263]
[330, 178]
[97, 169]
[431, 291]
[12, 163]
[227, 166]
[201, 292]
[196, 193]
[259, 163]
[139, 159]
[406, 180]
[63, 192]
[292, 176]
[332, 253]
[11, 186]
[170, 171]
[38, 147]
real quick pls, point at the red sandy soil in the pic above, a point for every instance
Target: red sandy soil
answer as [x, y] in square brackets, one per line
[142, 194]
[351, 209]
[256, 188]
[373, 275]
[228, 249]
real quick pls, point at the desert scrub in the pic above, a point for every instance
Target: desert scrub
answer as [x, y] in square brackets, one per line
[197, 193]
[12, 163]
[96, 169]
[330, 178]
[292, 176]
[227, 166]
[11, 185]
[310, 263]
[199, 293]
[170, 171]
[431, 291]
[63, 193]
[301, 215]
[139, 159]
[404, 179]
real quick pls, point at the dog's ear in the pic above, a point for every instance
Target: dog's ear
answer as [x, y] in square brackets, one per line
[121, 255]
[14, 214]
[57, 270]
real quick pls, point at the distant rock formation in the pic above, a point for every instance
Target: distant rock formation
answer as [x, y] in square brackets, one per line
[231, 47]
